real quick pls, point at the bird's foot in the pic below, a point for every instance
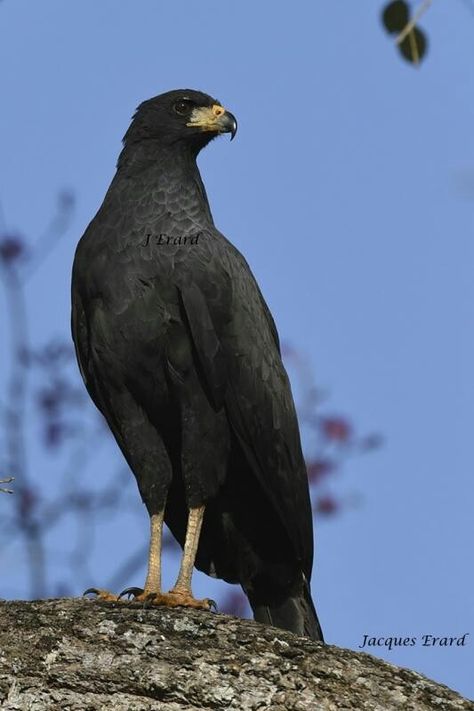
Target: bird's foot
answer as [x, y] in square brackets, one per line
[103, 595]
[174, 598]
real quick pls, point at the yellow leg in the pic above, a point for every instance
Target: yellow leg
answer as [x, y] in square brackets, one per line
[153, 578]
[193, 531]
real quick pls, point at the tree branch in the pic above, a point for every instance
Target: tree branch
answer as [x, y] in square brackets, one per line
[81, 654]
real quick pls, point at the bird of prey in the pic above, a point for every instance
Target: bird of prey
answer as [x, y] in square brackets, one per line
[180, 353]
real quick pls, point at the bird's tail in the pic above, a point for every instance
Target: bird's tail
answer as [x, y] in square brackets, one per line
[294, 612]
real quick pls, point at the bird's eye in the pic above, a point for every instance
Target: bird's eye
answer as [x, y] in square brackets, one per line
[183, 106]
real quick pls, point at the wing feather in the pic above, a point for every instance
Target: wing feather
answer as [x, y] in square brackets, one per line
[242, 366]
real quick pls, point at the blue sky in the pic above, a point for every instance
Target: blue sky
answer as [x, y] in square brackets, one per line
[350, 190]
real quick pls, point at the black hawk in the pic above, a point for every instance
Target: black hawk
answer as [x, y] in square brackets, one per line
[180, 353]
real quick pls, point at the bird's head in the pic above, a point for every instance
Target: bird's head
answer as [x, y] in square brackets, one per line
[181, 116]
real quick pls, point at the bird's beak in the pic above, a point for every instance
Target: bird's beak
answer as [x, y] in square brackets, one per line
[213, 118]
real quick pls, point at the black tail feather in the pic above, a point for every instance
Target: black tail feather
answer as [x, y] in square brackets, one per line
[294, 612]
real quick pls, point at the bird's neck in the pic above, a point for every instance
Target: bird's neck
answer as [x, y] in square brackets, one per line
[170, 174]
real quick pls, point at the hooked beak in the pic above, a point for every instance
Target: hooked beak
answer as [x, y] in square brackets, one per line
[213, 118]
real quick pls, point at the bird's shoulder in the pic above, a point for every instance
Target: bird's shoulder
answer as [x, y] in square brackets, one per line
[148, 258]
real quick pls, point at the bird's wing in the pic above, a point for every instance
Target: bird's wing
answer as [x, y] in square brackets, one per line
[242, 367]
[80, 336]
[81, 341]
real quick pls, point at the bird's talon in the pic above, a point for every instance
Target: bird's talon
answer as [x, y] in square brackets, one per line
[131, 591]
[212, 605]
[103, 595]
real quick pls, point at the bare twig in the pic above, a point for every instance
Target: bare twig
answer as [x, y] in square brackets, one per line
[409, 27]
[7, 480]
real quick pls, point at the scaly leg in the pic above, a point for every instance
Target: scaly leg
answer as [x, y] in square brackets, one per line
[182, 586]
[152, 588]
[153, 578]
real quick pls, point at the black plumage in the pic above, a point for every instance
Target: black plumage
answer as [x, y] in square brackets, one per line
[180, 353]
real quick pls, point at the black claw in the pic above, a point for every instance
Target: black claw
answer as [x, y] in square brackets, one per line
[212, 605]
[130, 591]
[90, 590]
